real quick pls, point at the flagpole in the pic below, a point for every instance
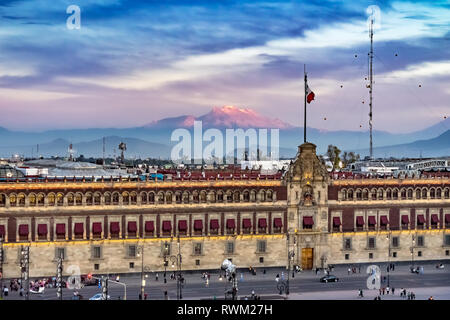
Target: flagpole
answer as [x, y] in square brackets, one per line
[304, 125]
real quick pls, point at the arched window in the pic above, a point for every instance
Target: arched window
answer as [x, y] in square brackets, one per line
[151, 197]
[380, 194]
[424, 193]
[108, 198]
[169, 197]
[229, 196]
[97, 198]
[246, 196]
[2, 200]
[32, 199]
[432, 193]
[178, 197]
[213, 196]
[344, 194]
[78, 199]
[115, 198]
[161, 197]
[12, 200]
[269, 195]
[358, 194]
[89, 199]
[438, 193]
[389, 194]
[220, 196]
[446, 193]
[403, 194]
[125, 198]
[195, 197]
[374, 194]
[395, 194]
[144, 198]
[236, 196]
[133, 197]
[185, 197]
[70, 199]
[418, 194]
[263, 195]
[350, 194]
[203, 196]
[60, 199]
[365, 194]
[51, 199]
[410, 194]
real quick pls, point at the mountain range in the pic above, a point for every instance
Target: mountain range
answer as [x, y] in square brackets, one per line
[154, 139]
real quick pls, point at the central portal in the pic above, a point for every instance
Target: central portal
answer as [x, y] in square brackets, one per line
[307, 258]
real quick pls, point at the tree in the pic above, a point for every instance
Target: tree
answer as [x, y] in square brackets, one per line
[333, 153]
[349, 157]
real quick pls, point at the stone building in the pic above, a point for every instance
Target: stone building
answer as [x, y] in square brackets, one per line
[255, 220]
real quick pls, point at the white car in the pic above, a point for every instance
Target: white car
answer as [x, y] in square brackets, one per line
[98, 296]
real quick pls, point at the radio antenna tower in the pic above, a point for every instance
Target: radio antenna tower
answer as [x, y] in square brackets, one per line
[370, 86]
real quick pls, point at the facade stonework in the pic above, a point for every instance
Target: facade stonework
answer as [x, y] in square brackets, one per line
[101, 226]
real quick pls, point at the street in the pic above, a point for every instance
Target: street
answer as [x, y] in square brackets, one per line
[305, 285]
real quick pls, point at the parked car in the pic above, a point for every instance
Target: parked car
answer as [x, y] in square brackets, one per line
[98, 296]
[329, 278]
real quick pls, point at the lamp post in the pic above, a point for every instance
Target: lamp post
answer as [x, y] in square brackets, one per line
[176, 260]
[142, 272]
[413, 243]
[388, 237]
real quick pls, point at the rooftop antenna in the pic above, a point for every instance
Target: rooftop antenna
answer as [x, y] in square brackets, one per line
[370, 86]
[104, 142]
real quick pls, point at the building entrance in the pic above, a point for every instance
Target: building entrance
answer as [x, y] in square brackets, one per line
[307, 258]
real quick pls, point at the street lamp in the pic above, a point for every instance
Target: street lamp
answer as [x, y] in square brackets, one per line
[142, 272]
[412, 251]
[388, 237]
[176, 260]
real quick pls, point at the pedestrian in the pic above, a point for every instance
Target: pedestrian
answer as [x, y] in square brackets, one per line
[21, 291]
[277, 278]
[140, 296]
[393, 290]
[166, 297]
[253, 294]
[430, 298]
[359, 268]
[5, 291]
[348, 270]
[393, 267]
[384, 290]
[145, 296]
[380, 290]
[264, 271]
[157, 276]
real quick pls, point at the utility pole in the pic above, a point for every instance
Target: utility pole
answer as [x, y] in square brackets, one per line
[371, 83]
[59, 270]
[142, 274]
[104, 288]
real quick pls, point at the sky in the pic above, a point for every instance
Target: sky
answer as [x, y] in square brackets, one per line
[133, 62]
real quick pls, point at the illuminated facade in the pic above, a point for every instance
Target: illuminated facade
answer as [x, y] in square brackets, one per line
[100, 226]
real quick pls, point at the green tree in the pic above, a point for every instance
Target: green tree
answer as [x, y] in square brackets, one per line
[333, 153]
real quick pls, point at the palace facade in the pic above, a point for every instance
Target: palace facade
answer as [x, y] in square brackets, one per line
[103, 226]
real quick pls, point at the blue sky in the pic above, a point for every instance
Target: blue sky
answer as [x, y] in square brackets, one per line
[132, 62]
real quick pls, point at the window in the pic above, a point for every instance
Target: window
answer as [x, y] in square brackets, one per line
[132, 251]
[261, 246]
[371, 243]
[261, 259]
[447, 252]
[230, 247]
[419, 253]
[197, 262]
[96, 252]
[347, 244]
[197, 248]
[131, 265]
[96, 266]
[420, 241]
[347, 256]
[394, 254]
[447, 240]
[395, 242]
[60, 252]
[371, 255]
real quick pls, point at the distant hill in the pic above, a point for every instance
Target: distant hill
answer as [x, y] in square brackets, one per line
[156, 136]
[435, 147]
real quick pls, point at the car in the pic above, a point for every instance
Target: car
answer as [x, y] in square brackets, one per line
[98, 296]
[329, 278]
